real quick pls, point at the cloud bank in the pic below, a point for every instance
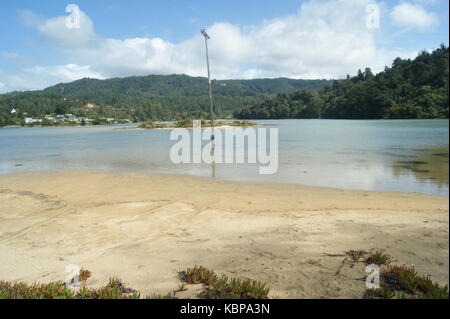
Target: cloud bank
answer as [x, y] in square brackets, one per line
[413, 16]
[324, 39]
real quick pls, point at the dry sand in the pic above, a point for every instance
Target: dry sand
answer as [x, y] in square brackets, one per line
[144, 228]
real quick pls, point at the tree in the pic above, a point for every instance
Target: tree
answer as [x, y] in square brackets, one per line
[409, 89]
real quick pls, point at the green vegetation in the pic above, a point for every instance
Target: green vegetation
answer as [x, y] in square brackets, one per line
[377, 257]
[85, 274]
[404, 283]
[410, 89]
[173, 97]
[186, 123]
[144, 98]
[215, 288]
[222, 287]
[148, 125]
[242, 123]
[397, 281]
[356, 255]
[115, 289]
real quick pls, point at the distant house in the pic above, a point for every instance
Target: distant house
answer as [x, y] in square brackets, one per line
[30, 120]
[89, 107]
[13, 111]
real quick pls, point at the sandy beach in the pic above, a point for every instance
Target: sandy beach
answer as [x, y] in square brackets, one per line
[144, 228]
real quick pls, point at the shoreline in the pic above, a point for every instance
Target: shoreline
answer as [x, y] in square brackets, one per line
[136, 127]
[206, 178]
[288, 119]
[145, 227]
[217, 179]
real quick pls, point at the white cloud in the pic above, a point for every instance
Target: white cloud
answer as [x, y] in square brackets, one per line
[324, 39]
[69, 72]
[56, 32]
[39, 77]
[413, 16]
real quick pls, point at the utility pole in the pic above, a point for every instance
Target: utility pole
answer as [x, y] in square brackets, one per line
[211, 106]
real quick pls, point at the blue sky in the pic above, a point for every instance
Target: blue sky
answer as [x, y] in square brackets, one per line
[251, 38]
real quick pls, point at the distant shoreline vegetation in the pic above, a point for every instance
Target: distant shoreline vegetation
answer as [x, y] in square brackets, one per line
[189, 123]
[410, 89]
[144, 98]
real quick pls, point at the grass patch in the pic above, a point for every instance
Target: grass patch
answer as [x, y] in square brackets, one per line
[356, 255]
[397, 281]
[235, 288]
[198, 275]
[378, 257]
[187, 123]
[150, 125]
[215, 288]
[404, 283]
[58, 290]
[85, 274]
[147, 125]
[223, 287]
[243, 123]
[156, 297]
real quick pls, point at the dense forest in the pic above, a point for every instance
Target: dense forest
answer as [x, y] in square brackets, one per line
[141, 98]
[410, 89]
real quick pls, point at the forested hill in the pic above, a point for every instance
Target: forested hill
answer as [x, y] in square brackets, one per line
[178, 86]
[159, 96]
[153, 97]
[409, 89]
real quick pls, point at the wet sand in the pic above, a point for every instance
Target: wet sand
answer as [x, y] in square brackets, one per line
[144, 228]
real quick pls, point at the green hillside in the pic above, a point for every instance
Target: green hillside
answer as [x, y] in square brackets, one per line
[153, 97]
[409, 89]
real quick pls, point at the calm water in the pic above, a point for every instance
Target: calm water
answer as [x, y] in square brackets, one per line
[406, 155]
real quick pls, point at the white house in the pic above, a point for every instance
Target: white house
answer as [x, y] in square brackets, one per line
[30, 120]
[89, 106]
[50, 117]
[13, 111]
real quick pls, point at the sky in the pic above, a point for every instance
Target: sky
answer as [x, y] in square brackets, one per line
[43, 43]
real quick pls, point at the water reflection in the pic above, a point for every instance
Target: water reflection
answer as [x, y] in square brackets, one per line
[427, 165]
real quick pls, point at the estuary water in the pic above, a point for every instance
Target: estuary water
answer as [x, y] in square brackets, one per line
[394, 155]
